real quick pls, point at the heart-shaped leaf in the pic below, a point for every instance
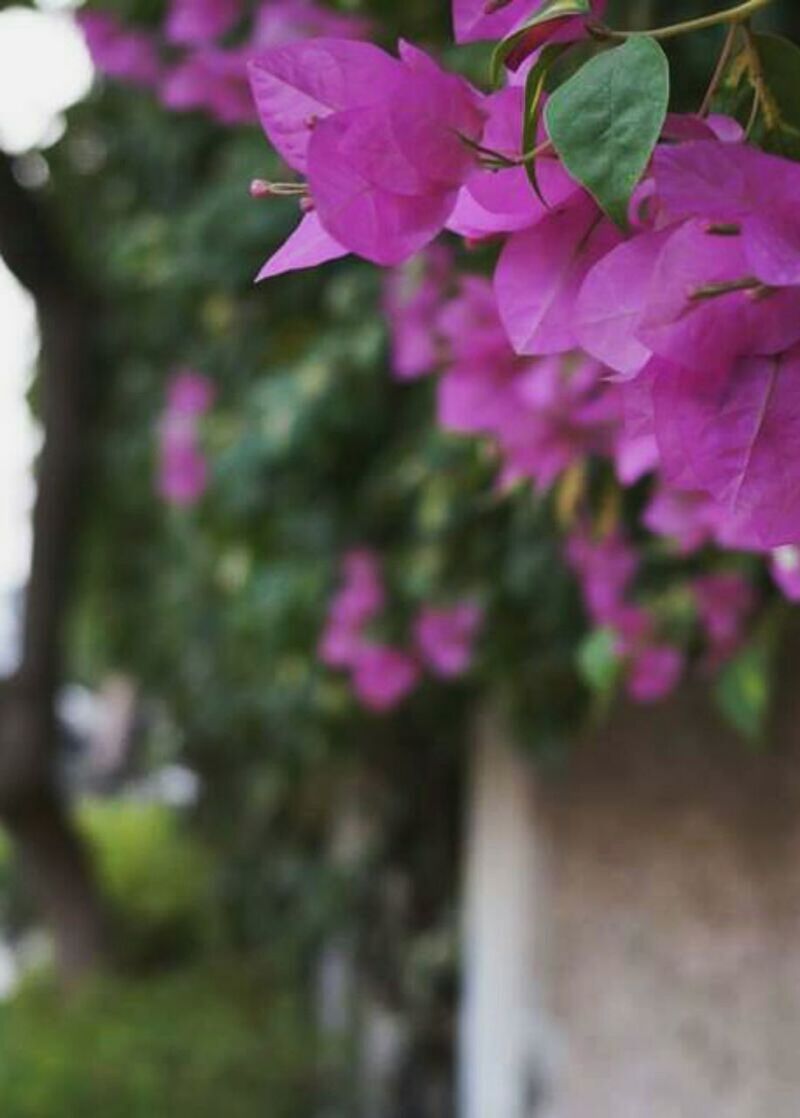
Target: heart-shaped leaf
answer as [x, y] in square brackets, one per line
[606, 120]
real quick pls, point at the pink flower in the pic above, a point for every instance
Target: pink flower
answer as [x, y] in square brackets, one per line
[724, 602]
[341, 643]
[119, 51]
[540, 273]
[734, 436]
[212, 80]
[503, 201]
[196, 22]
[445, 637]
[560, 412]
[183, 473]
[654, 673]
[362, 595]
[359, 599]
[383, 676]
[380, 140]
[189, 393]
[412, 299]
[690, 520]
[283, 21]
[605, 569]
[735, 183]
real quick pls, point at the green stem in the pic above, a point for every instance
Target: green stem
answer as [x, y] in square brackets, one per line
[732, 15]
[715, 290]
[719, 69]
[544, 148]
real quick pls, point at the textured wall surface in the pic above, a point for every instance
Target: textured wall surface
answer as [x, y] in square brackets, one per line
[674, 920]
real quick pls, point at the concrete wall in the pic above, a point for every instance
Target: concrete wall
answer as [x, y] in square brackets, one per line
[673, 860]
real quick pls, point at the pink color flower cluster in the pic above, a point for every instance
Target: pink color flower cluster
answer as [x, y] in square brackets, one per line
[701, 308]
[696, 306]
[606, 569]
[383, 676]
[183, 472]
[544, 414]
[198, 59]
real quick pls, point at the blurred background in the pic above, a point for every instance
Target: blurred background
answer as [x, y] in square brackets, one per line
[226, 888]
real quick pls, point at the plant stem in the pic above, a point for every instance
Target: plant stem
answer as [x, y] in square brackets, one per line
[719, 69]
[732, 15]
[716, 290]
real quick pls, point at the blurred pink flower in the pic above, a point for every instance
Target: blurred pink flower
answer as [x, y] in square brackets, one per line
[183, 471]
[122, 53]
[654, 673]
[383, 676]
[194, 22]
[445, 637]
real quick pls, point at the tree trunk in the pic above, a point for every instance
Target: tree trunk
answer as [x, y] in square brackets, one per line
[30, 803]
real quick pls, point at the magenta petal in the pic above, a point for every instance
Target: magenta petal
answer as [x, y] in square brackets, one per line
[772, 244]
[383, 677]
[654, 673]
[386, 228]
[412, 302]
[473, 221]
[687, 518]
[611, 302]
[725, 182]
[284, 21]
[703, 179]
[307, 246]
[472, 399]
[508, 192]
[300, 83]
[445, 637]
[740, 433]
[540, 272]
[708, 333]
[471, 23]
[195, 22]
[427, 119]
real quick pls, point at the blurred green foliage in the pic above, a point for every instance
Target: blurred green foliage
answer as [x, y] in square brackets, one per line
[203, 1043]
[156, 878]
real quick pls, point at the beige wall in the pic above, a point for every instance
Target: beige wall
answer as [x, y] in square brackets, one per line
[673, 934]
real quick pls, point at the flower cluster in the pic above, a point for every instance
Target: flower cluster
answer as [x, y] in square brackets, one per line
[198, 59]
[544, 415]
[605, 569]
[383, 675]
[183, 472]
[668, 346]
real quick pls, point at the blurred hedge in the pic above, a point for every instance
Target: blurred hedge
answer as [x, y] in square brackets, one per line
[210, 1043]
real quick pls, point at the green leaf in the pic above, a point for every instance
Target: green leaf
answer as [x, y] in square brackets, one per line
[606, 120]
[780, 110]
[598, 661]
[551, 10]
[743, 690]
